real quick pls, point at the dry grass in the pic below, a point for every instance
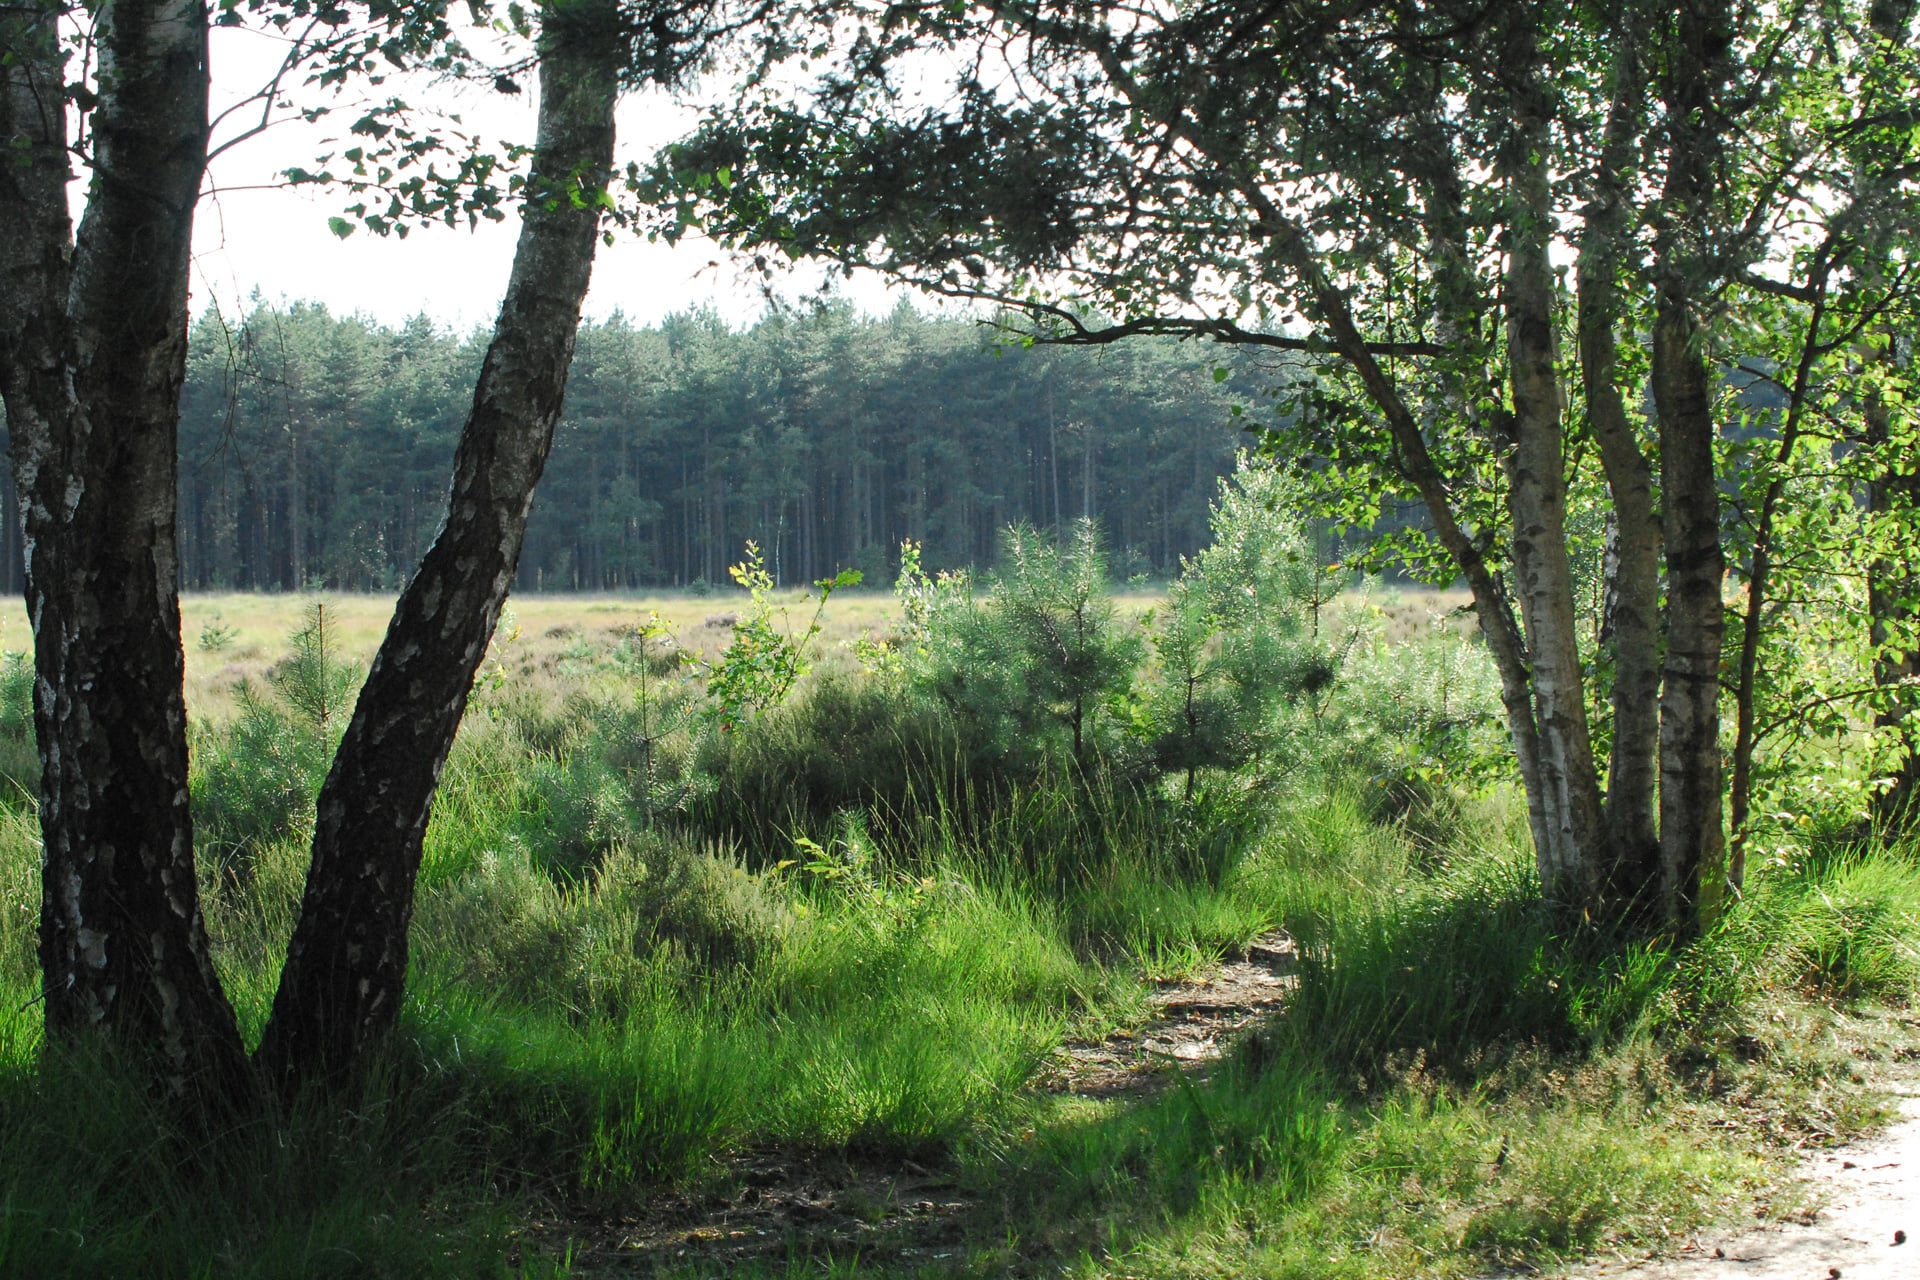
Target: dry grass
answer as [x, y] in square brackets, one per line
[1409, 613]
[232, 636]
[236, 636]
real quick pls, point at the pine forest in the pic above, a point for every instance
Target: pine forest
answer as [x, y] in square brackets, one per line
[314, 449]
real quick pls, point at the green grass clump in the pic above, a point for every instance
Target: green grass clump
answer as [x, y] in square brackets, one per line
[838, 1007]
[1845, 926]
[100, 1180]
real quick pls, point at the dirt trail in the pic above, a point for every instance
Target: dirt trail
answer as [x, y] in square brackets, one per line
[1193, 1022]
[782, 1205]
[1867, 1225]
[1867, 1193]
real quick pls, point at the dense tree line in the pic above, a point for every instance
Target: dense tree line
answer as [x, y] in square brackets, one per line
[314, 448]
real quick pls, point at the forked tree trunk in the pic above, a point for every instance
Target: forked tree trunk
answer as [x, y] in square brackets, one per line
[1492, 606]
[1540, 671]
[92, 357]
[340, 993]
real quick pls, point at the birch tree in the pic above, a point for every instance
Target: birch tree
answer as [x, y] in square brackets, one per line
[1506, 233]
[92, 347]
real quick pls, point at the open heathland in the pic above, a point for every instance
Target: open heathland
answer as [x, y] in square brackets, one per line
[1001, 927]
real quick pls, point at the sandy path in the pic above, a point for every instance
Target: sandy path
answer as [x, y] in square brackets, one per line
[1867, 1226]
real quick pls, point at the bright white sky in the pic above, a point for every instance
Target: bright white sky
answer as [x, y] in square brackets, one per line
[250, 237]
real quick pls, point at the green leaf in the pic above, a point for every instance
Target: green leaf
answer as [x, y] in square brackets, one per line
[340, 227]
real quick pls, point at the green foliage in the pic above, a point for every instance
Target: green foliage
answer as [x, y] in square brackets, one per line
[1843, 924]
[761, 663]
[848, 745]
[16, 695]
[1421, 724]
[774, 423]
[311, 679]
[1470, 964]
[1243, 665]
[99, 1179]
[215, 635]
[19, 900]
[255, 780]
[1039, 669]
[1052, 601]
[889, 979]
[19, 752]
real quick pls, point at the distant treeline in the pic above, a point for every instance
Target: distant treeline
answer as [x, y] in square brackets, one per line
[315, 449]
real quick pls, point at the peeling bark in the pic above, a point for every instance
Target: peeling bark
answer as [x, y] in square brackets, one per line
[1293, 249]
[1493, 607]
[92, 358]
[341, 990]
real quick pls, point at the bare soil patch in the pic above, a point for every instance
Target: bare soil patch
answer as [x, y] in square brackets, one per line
[1193, 1022]
[1864, 1223]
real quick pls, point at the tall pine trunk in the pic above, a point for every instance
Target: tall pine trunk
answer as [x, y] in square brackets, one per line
[92, 358]
[341, 990]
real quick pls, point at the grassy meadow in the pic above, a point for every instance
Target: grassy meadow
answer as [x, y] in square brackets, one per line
[684, 939]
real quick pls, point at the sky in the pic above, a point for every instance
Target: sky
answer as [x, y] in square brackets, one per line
[253, 235]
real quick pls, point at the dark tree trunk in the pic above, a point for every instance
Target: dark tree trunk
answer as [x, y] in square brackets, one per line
[1893, 580]
[92, 352]
[1692, 839]
[1893, 584]
[340, 993]
[1760, 581]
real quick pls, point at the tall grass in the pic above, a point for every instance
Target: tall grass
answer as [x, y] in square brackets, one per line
[848, 927]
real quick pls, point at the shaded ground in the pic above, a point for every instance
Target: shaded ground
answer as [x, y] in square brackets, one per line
[776, 1204]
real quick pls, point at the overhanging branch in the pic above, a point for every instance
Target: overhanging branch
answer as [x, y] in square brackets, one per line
[1076, 332]
[1082, 335]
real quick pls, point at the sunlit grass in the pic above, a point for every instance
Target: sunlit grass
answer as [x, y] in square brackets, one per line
[606, 1006]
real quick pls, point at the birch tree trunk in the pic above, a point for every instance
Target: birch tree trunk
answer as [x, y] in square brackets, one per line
[1571, 862]
[340, 993]
[1631, 627]
[1692, 835]
[92, 358]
